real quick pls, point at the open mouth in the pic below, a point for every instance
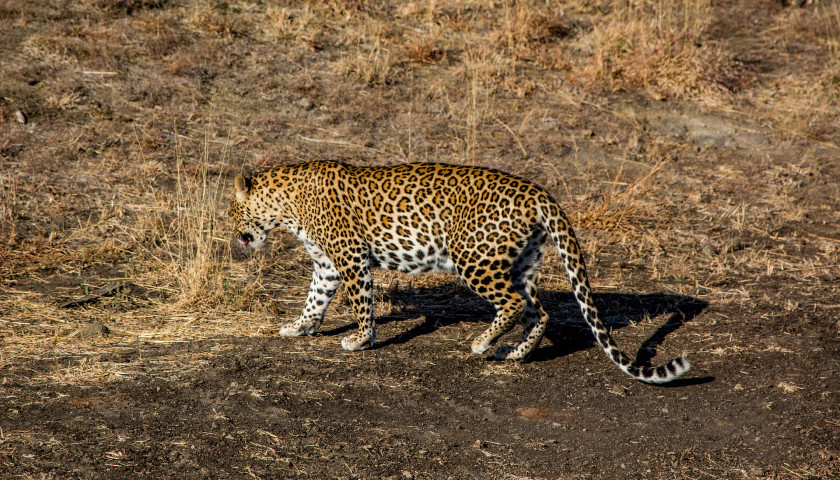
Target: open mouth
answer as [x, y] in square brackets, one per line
[245, 238]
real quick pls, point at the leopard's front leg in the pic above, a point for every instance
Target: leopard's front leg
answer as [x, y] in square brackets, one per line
[325, 282]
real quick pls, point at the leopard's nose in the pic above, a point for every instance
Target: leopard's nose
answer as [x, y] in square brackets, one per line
[245, 238]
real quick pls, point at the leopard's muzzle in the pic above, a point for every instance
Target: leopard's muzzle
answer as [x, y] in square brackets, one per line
[245, 238]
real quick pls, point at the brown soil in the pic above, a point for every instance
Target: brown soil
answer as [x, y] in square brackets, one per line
[699, 164]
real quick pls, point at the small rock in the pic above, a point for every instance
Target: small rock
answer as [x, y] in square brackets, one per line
[619, 390]
[534, 413]
[757, 472]
[732, 244]
[20, 117]
[407, 475]
[305, 104]
[94, 329]
[750, 139]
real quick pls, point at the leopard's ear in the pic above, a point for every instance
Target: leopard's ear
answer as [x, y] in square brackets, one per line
[241, 185]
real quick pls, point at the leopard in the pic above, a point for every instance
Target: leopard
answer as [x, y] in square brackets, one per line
[486, 226]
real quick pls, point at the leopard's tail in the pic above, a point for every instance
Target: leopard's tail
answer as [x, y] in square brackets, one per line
[560, 230]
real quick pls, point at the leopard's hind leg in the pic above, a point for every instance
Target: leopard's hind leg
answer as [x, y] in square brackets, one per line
[510, 306]
[535, 319]
[534, 325]
[491, 279]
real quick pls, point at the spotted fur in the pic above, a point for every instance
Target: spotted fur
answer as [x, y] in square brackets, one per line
[485, 225]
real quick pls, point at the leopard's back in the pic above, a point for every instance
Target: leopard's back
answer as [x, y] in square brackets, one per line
[414, 216]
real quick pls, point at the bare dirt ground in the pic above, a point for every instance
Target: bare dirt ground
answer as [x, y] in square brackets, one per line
[694, 144]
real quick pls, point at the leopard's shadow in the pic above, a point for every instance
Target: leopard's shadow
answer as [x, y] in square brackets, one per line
[567, 333]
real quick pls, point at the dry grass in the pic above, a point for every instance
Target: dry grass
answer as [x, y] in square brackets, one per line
[831, 26]
[201, 249]
[622, 205]
[8, 205]
[174, 248]
[808, 106]
[370, 60]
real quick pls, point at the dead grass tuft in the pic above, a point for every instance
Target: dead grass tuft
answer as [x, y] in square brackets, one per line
[532, 34]
[198, 240]
[130, 6]
[220, 19]
[295, 26]
[830, 25]
[657, 46]
[423, 50]
[621, 206]
[370, 59]
[8, 207]
[808, 107]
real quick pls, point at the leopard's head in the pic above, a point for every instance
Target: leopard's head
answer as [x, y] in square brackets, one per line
[248, 214]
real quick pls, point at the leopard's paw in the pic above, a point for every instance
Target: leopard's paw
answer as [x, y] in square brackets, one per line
[508, 352]
[297, 328]
[357, 341]
[480, 345]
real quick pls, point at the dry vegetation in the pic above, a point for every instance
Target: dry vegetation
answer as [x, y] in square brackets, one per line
[694, 144]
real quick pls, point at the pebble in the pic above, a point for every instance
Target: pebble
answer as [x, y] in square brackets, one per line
[732, 244]
[94, 329]
[305, 104]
